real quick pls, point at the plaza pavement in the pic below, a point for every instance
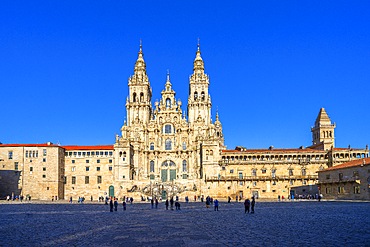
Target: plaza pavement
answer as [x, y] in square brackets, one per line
[305, 223]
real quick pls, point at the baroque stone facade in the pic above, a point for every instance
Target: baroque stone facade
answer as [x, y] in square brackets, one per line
[163, 152]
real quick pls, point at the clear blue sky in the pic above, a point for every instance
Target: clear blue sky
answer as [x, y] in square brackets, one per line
[64, 66]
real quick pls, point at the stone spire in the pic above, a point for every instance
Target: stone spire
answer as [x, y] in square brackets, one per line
[140, 67]
[322, 118]
[198, 61]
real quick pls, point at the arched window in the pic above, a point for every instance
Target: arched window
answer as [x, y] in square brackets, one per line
[184, 146]
[203, 96]
[168, 103]
[195, 95]
[134, 97]
[168, 144]
[151, 146]
[184, 166]
[141, 97]
[167, 129]
[151, 166]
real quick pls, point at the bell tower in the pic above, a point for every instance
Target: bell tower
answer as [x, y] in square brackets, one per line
[323, 132]
[138, 104]
[199, 100]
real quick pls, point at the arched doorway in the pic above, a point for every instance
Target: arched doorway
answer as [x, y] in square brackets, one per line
[168, 171]
[111, 191]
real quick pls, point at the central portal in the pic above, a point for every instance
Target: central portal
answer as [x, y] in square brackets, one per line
[168, 170]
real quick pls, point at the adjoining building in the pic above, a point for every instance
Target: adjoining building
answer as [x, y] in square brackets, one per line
[350, 180]
[163, 151]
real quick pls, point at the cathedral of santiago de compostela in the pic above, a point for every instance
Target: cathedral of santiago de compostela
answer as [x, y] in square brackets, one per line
[163, 152]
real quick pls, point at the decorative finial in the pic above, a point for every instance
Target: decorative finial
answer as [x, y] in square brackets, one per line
[168, 75]
[141, 45]
[198, 44]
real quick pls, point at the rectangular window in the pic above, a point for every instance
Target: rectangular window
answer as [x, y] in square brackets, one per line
[110, 168]
[26, 154]
[110, 153]
[263, 170]
[356, 189]
[10, 155]
[65, 180]
[185, 176]
[101, 153]
[98, 168]
[83, 153]
[87, 161]
[16, 166]
[44, 176]
[98, 161]
[273, 173]
[31, 168]
[152, 176]
[99, 180]
[232, 171]
[340, 190]
[74, 153]
[254, 172]
[88, 153]
[79, 153]
[44, 152]
[73, 168]
[110, 161]
[87, 168]
[240, 175]
[73, 161]
[73, 180]
[92, 153]
[87, 179]
[106, 153]
[44, 169]
[43, 159]
[303, 172]
[291, 172]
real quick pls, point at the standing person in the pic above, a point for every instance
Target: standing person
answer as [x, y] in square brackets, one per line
[166, 203]
[228, 199]
[115, 204]
[131, 200]
[247, 204]
[111, 205]
[124, 205]
[70, 199]
[156, 203]
[216, 204]
[171, 202]
[152, 202]
[208, 202]
[252, 205]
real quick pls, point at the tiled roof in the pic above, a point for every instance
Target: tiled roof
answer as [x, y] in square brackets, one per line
[276, 150]
[353, 163]
[29, 145]
[100, 147]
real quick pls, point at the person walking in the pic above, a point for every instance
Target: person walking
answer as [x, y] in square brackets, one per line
[247, 204]
[171, 202]
[152, 202]
[166, 203]
[156, 203]
[124, 205]
[111, 205]
[228, 199]
[115, 204]
[252, 205]
[215, 202]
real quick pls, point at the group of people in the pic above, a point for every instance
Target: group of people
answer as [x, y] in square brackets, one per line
[249, 205]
